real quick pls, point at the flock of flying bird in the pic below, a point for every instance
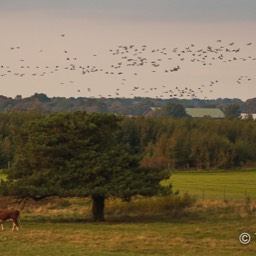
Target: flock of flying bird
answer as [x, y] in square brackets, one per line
[130, 62]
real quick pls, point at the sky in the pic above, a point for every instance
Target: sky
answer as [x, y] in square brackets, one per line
[114, 48]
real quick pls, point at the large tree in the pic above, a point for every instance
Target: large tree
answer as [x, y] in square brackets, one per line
[232, 111]
[172, 110]
[77, 154]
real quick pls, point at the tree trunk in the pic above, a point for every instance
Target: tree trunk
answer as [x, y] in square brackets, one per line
[98, 204]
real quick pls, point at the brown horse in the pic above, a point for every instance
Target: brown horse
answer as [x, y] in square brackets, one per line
[13, 215]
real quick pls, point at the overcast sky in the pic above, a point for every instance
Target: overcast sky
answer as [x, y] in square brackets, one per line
[65, 48]
[143, 9]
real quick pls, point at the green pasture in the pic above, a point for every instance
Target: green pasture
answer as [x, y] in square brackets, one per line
[154, 238]
[228, 185]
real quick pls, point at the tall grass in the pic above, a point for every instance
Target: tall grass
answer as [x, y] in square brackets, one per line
[158, 238]
[78, 209]
[145, 226]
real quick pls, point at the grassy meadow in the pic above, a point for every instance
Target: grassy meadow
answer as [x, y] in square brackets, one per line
[228, 185]
[155, 226]
[157, 238]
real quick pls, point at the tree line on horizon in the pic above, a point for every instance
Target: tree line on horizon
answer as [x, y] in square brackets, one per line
[127, 106]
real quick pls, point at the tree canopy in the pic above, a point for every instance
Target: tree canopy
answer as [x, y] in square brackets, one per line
[174, 110]
[78, 154]
[232, 111]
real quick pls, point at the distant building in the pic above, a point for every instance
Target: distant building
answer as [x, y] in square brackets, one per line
[151, 111]
[244, 116]
[193, 112]
[205, 112]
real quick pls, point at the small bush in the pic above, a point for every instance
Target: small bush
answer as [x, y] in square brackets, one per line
[164, 205]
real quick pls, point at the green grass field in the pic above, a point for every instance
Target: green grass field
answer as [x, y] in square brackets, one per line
[227, 185]
[157, 238]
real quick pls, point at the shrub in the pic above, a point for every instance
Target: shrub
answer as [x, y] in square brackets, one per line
[153, 206]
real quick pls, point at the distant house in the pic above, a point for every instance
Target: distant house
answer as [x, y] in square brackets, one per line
[244, 116]
[150, 111]
[205, 112]
[193, 112]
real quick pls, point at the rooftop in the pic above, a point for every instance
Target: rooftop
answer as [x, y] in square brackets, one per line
[204, 112]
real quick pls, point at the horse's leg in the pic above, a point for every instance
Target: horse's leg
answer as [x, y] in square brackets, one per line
[15, 224]
[2, 226]
[18, 223]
